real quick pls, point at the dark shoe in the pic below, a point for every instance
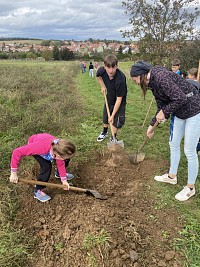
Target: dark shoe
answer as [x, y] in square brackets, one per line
[102, 136]
[112, 139]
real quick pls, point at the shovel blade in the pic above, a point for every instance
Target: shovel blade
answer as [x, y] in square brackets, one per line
[116, 142]
[136, 157]
[95, 194]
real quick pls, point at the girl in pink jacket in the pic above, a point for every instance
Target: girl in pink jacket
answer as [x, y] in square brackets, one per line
[44, 148]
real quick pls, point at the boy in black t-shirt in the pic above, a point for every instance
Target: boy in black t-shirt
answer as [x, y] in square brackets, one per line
[114, 81]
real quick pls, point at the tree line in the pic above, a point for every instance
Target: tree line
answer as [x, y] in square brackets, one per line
[165, 30]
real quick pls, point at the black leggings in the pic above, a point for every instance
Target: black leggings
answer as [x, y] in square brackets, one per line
[45, 170]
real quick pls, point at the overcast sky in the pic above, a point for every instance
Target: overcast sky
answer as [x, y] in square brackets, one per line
[63, 19]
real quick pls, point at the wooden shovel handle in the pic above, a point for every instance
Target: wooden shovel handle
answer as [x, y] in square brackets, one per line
[147, 138]
[35, 182]
[148, 111]
[108, 111]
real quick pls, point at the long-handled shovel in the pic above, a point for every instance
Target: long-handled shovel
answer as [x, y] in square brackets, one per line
[77, 189]
[139, 156]
[148, 111]
[115, 141]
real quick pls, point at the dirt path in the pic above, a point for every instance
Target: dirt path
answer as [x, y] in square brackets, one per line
[140, 235]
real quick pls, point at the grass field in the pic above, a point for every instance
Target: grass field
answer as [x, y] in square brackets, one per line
[56, 97]
[36, 41]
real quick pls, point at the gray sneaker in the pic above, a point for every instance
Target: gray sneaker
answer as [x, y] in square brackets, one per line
[41, 195]
[70, 176]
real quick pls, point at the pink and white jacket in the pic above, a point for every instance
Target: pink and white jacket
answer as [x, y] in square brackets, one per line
[38, 144]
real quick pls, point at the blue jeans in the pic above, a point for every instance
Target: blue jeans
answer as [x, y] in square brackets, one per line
[190, 130]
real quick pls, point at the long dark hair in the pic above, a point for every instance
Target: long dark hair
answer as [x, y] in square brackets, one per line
[143, 84]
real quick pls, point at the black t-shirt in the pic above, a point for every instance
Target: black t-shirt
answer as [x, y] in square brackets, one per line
[116, 87]
[91, 67]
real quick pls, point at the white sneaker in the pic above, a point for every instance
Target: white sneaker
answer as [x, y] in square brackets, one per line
[102, 136]
[185, 194]
[165, 179]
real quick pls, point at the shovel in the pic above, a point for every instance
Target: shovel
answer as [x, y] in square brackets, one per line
[148, 111]
[139, 156]
[77, 189]
[115, 141]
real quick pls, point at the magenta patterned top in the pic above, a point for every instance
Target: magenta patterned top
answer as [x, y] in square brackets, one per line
[173, 94]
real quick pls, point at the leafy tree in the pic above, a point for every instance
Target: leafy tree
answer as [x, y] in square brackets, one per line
[127, 43]
[91, 40]
[56, 52]
[31, 55]
[47, 55]
[129, 51]
[66, 54]
[120, 50]
[188, 54]
[3, 55]
[46, 43]
[54, 42]
[160, 25]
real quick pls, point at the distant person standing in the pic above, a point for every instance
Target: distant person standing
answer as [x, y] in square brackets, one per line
[81, 66]
[84, 67]
[176, 64]
[91, 70]
[96, 66]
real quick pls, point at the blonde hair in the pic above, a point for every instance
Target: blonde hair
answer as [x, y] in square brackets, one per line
[193, 72]
[64, 148]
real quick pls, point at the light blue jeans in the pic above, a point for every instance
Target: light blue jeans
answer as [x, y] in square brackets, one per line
[190, 130]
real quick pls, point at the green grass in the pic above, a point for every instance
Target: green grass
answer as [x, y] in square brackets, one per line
[96, 244]
[189, 242]
[15, 246]
[31, 41]
[56, 97]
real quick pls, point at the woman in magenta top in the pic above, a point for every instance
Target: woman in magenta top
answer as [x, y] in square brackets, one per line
[45, 148]
[175, 96]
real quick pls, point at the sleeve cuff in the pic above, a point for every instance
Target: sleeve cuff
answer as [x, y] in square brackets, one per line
[63, 179]
[13, 169]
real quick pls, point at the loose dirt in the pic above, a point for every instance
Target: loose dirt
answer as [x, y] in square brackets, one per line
[138, 234]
